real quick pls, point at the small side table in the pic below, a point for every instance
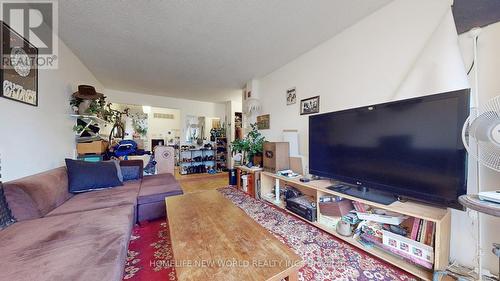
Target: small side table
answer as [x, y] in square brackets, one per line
[474, 203]
[253, 175]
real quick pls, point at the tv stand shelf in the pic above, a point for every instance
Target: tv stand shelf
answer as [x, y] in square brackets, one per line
[318, 188]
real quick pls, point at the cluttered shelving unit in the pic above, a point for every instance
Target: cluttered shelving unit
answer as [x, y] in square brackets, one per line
[438, 219]
[196, 161]
[89, 120]
[221, 154]
[251, 184]
[91, 145]
[176, 153]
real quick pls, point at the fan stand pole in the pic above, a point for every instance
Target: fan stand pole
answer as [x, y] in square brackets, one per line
[474, 33]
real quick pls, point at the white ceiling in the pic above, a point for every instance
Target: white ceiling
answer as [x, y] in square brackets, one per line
[198, 49]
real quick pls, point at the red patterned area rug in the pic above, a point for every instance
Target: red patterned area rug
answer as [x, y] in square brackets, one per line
[150, 253]
[327, 258]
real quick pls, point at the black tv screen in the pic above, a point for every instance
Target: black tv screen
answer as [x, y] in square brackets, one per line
[410, 148]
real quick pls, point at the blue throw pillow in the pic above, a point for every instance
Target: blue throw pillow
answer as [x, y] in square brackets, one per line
[87, 176]
[130, 173]
[118, 169]
[6, 217]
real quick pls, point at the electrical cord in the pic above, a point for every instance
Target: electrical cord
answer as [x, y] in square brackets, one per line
[472, 64]
[470, 69]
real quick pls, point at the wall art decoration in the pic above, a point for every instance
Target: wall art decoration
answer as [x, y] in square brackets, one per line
[19, 73]
[264, 122]
[309, 106]
[291, 96]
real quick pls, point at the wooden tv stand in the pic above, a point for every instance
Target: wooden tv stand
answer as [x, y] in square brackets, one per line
[316, 189]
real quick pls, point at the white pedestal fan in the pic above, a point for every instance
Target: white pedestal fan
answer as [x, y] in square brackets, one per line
[481, 137]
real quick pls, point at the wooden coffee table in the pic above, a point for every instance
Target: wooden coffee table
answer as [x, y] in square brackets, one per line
[212, 239]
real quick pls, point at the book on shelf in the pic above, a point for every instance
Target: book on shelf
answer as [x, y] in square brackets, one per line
[421, 238]
[414, 247]
[400, 251]
[330, 198]
[380, 217]
[429, 233]
[414, 229]
[420, 230]
[433, 235]
[419, 234]
[360, 207]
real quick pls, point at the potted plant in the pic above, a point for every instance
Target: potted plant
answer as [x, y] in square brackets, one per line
[79, 129]
[139, 124]
[96, 107]
[251, 146]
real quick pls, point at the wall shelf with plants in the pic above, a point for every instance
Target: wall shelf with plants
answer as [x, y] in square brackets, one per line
[90, 120]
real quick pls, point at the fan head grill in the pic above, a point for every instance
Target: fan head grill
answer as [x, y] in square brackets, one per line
[483, 130]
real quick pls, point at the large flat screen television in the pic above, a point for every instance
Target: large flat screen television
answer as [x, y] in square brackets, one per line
[409, 148]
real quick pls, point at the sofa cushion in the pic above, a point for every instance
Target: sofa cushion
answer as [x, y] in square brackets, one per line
[6, 217]
[158, 193]
[130, 173]
[81, 246]
[88, 176]
[22, 206]
[35, 196]
[151, 211]
[155, 188]
[134, 163]
[158, 179]
[122, 195]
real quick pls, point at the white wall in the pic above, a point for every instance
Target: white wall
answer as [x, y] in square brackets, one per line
[35, 139]
[186, 107]
[489, 87]
[406, 49]
[366, 64]
[231, 108]
[158, 127]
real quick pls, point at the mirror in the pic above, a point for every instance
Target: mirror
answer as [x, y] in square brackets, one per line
[195, 129]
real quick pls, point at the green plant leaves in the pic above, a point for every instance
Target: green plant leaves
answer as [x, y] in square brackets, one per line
[251, 145]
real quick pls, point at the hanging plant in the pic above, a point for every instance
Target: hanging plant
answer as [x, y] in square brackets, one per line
[139, 123]
[140, 127]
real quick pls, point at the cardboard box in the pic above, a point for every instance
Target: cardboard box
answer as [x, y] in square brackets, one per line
[329, 221]
[276, 156]
[336, 209]
[95, 147]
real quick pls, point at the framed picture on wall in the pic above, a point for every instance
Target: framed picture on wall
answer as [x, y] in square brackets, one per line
[291, 96]
[19, 75]
[309, 106]
[264, 122]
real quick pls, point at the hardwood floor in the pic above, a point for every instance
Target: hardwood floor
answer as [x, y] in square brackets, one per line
[202, 182]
